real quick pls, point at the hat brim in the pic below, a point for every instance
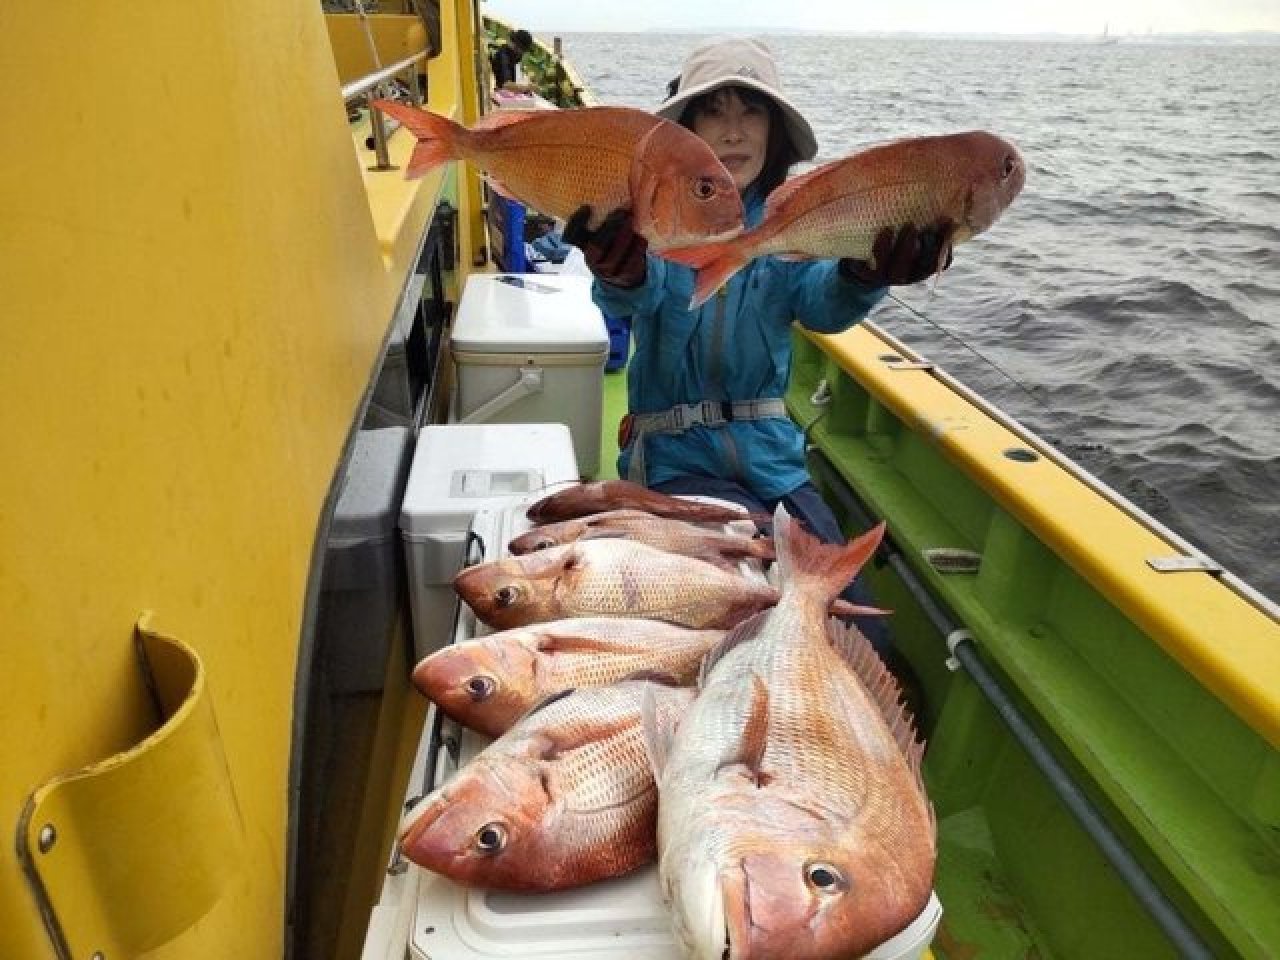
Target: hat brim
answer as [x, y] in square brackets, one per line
[798, 129]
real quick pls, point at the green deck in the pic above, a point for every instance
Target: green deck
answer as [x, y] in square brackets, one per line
[1193, 791]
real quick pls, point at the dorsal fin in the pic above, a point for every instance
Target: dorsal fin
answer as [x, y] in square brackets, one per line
[789, 188]
[744, 631]
[855, 650]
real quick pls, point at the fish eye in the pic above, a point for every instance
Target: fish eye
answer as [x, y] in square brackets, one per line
[704, 188]
[1009, 166]
[544, 544]
[825, 878]
[491, 838]
[480, 687]
[506, 596]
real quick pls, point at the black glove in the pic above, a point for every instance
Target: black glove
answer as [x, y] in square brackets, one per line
[906, 255]
[614, 252]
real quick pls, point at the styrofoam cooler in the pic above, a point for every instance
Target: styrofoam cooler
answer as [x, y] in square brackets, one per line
[457, 470]
[531, 348]
[620, 919]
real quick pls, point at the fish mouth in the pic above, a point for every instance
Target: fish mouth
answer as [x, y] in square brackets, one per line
[702, 915]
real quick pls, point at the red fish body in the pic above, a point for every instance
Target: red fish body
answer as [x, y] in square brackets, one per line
[674, 536]
[793, 823]
[964, 181]
[565, 798]
[489, 683]
[600, 496]
[555, 161]
[614, 578]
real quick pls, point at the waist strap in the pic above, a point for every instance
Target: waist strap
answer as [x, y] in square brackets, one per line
[708, 413]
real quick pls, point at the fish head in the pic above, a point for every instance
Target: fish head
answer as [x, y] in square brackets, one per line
[787, 894]
[548, 535]
[996, 174]
[518, 590]
[484, 685]
[815, 903]
[483, 826]
[681, 194]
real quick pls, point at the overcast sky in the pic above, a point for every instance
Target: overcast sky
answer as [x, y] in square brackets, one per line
[930, 16]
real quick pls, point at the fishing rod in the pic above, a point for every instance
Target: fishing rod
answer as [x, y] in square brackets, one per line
[960, 340]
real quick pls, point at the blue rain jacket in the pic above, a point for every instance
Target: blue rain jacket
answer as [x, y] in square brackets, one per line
[736, 347]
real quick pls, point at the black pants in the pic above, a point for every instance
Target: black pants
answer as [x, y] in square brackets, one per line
[807, 506]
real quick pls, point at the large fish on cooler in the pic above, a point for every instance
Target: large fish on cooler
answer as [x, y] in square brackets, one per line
[600, 496]
[555, 161]
[615, 578]
[566, 797]
[793, 823]
[675, 536]
[962, 180]
[488, 683]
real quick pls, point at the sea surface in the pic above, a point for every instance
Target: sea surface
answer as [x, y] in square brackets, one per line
[1127, 306]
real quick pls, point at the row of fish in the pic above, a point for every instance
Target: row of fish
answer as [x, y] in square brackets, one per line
[766, 763]
[683, 201]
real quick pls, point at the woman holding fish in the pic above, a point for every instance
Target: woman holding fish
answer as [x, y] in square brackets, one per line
[706, 383]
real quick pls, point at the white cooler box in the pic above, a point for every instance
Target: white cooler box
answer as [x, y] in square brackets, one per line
[424, 916]
[531, 348]
[459, 469]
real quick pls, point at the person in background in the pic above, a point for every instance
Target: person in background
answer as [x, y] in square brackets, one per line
[705, 387]
[506, 58]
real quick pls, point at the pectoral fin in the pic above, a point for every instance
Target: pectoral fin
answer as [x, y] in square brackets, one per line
[748, 752]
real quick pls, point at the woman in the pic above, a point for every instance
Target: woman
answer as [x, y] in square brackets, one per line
[705, 387]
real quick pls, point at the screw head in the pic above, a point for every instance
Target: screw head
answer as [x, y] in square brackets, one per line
[48, 837]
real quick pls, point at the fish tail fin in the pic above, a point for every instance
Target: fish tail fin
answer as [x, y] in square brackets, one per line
[805, 562]
[438, 137]
[715, 263]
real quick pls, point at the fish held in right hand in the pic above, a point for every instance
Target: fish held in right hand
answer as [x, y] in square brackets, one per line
[609, 158]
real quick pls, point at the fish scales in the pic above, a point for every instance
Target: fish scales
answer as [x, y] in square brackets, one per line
[607, 158]
[957, 184]
[488, 683]
[564, 798]
[674, 536]
[792, 821]
[609, 578]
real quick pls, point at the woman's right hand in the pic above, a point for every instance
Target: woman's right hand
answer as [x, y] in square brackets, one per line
[614, 252]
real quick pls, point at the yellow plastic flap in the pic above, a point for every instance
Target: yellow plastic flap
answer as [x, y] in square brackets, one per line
[130, 851]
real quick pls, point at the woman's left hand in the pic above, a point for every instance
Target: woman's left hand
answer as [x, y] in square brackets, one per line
[902, 256]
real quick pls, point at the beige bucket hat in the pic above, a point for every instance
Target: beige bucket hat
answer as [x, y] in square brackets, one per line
[738, 62]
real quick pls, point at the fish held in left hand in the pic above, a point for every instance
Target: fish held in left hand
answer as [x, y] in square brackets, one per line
[565, 798]
[960, 182]
[607, 158]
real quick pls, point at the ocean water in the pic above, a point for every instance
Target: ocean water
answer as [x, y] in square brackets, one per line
[1127, 306]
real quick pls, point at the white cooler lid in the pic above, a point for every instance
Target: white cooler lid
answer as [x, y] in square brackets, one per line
[529, 313]
[461, 468]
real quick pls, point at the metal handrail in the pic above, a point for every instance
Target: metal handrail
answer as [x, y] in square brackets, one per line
[365, 86]
[366, 83]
